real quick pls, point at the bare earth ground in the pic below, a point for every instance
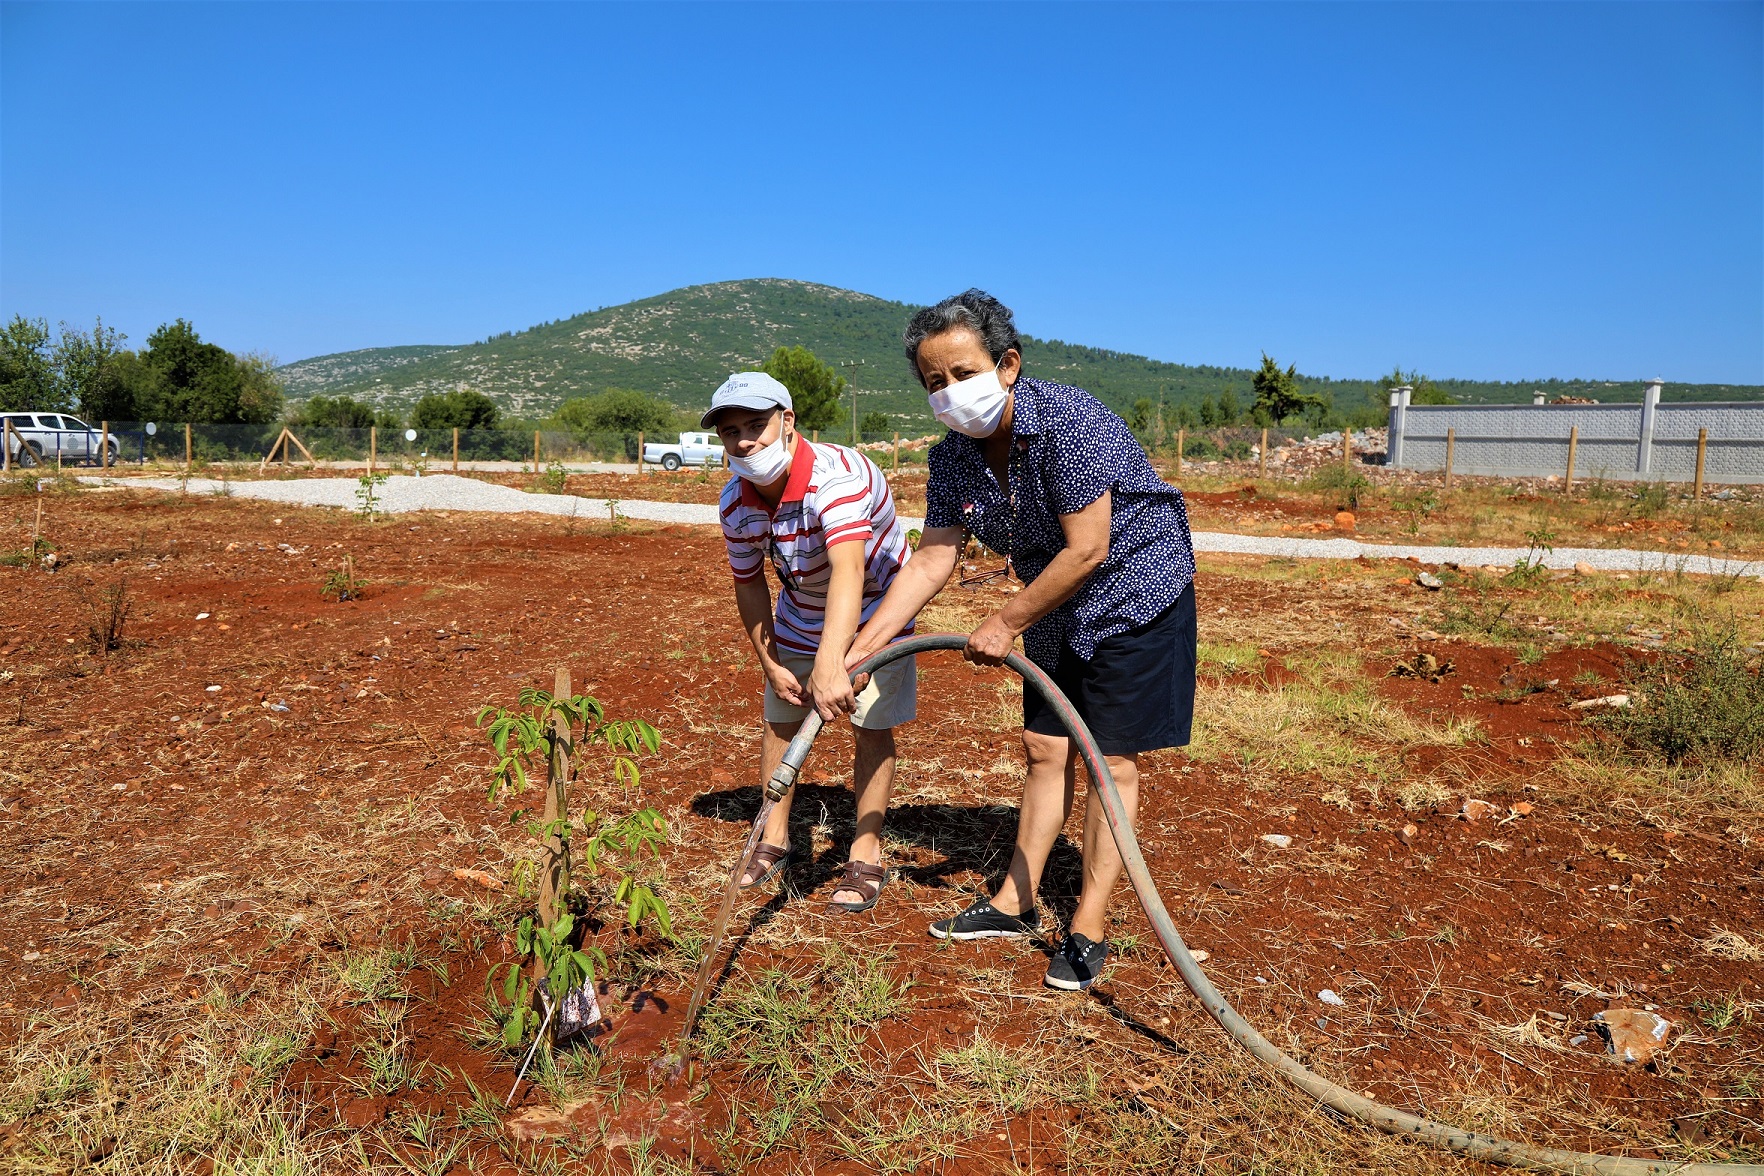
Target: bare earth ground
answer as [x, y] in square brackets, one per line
[235, 940]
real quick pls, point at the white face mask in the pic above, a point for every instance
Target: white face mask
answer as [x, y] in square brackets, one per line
[766, 466]
[973, 406]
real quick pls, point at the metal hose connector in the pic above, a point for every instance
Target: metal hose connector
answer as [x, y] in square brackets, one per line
[1472, 1144]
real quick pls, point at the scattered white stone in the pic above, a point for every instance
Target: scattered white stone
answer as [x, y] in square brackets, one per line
[1278, 840]
[202, 616]
[1476, 810]
[1615, 701]
[1200, 954]
[1329, 997]
[1430, 581]
[213, 689]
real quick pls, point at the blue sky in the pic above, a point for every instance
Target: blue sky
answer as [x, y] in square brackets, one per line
[1473, 190]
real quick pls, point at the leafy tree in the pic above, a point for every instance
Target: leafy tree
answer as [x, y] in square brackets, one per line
[1425, 390]
[334, 412]
[459, 409]
[815, 388]
[1229, 410]
[181, 378]
[874, 422]
[260, 389]
[618, 410]
[1144, 414]
[1209, 413]
[1185, 418]
[28, 379]
[1278, 395]
[92, 369]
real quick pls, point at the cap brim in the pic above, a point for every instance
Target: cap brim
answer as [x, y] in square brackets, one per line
[752, 403]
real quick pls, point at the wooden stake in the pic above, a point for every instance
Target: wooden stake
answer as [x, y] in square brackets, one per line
[897, 453]
[1573, 444]
[6, 445]
[373, 446]
[187, 450]
[456, 450]
[310, 459]
[1347, 449]
[1181, 435]
[639, 453]
[1702, 448]
[1262, 457]
[1451, 449]
[104, 447]
[535, 452]
[37, 528]
[815, 436]
[554, 876]
[279, 443]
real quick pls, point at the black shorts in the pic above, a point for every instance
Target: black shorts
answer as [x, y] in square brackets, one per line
[1136, 692]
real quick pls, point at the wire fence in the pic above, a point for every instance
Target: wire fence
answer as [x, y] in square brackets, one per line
[146, 443]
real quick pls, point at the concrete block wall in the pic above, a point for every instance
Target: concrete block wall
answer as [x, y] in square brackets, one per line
[1645, 442]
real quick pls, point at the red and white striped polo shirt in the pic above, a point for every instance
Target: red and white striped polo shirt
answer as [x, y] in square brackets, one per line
[834, 495]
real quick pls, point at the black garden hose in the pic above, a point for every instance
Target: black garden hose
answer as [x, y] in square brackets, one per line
[1338, 1098]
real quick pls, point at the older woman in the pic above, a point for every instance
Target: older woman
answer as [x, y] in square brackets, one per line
[1048, 475]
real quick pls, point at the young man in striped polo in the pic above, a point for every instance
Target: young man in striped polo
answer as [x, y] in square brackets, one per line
[823, 517]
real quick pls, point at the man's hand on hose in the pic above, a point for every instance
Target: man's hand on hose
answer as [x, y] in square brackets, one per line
[831, 689]
[784, 684]
[854, 657]
[991, 643]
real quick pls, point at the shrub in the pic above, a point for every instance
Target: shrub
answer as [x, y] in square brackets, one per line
[1704, 708]
[1335, 479]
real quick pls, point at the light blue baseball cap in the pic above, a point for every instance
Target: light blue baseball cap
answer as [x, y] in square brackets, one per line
[754, 390]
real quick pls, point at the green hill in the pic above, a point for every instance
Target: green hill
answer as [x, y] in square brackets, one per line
[681, 344]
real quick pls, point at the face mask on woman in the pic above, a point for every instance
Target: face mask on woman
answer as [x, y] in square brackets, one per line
[765, 466]
[972, 406]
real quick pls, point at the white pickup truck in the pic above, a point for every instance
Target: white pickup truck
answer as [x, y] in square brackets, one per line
[692, 449]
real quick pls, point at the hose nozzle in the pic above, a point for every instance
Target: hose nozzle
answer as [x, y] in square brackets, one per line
[780, 782]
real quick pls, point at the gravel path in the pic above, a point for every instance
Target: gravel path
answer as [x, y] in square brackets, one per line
[402, 493]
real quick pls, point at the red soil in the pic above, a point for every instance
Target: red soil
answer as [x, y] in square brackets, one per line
[1433, 932]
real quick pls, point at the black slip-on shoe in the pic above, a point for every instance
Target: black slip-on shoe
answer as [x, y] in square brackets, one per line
[985, 921]
[1077, 964]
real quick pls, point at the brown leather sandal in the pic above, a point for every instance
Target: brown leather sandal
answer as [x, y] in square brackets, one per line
[765, 862]
[866, 880]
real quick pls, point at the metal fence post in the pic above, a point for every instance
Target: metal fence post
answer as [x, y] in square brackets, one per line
[1702, 447]
[1573, 443]
[1451, 450]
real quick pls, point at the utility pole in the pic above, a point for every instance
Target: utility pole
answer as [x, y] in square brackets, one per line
[856, 363]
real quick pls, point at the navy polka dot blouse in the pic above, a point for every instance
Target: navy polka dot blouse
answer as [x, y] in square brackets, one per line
[1068, 448]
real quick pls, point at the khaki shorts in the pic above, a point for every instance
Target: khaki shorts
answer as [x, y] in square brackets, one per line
[890, 698]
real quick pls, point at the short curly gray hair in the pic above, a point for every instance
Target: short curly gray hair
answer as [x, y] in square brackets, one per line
[974, 310]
